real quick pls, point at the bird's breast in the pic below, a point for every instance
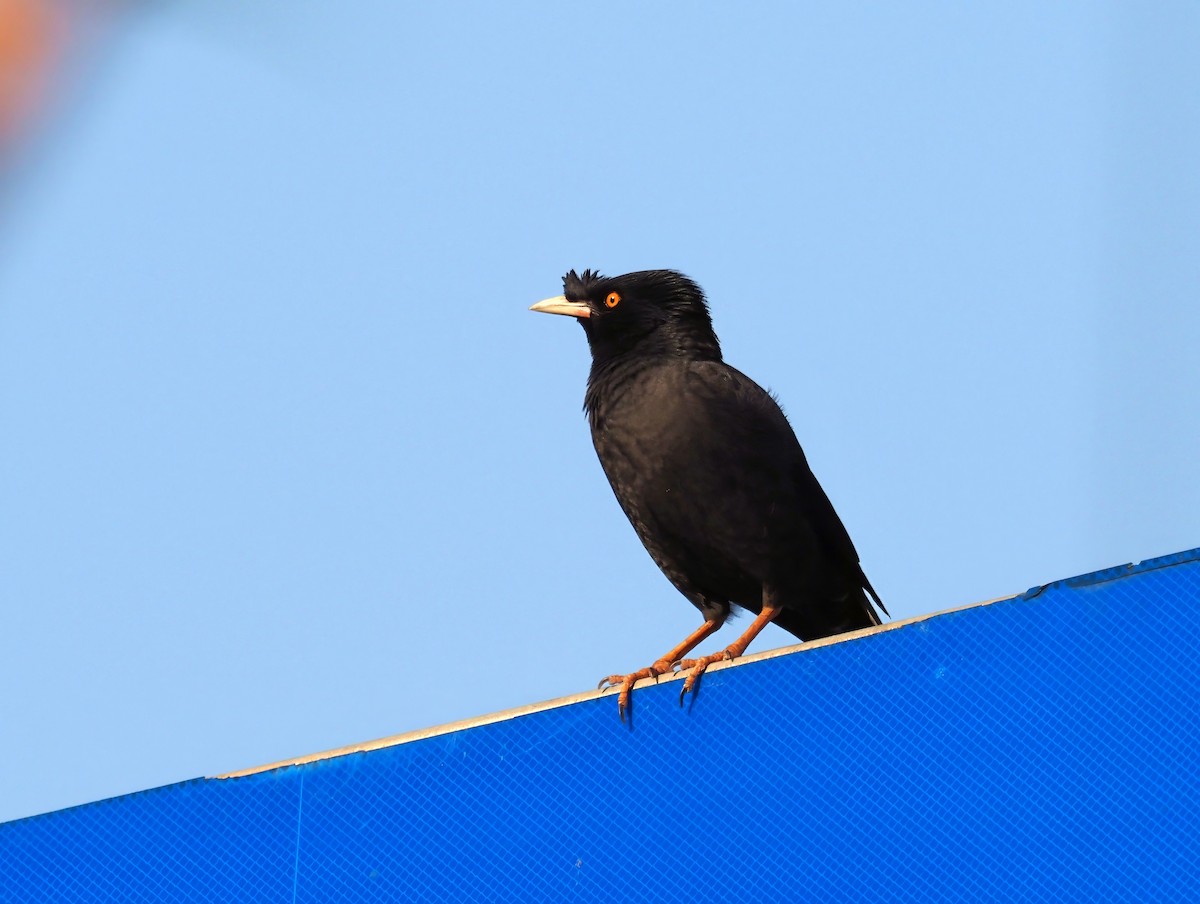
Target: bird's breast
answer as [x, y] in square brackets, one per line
[678, 442]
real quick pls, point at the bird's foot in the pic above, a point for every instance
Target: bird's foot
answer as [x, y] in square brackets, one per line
[626, 682]
[697, 667]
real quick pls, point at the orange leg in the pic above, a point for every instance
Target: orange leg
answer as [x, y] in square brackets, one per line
[735, 649]
[663, 664]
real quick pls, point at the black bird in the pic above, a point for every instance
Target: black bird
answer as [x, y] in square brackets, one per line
[708, 470]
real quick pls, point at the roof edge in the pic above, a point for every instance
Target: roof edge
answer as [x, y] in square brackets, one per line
[506, 714]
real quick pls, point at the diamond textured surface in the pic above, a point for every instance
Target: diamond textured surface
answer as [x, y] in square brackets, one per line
[1045, 747]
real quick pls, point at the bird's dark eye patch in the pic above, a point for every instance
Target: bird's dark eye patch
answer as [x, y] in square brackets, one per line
[612, 300]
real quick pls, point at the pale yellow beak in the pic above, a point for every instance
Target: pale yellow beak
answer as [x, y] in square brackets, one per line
[559, 305]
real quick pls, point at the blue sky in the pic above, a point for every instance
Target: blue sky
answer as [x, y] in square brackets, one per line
[285, 463]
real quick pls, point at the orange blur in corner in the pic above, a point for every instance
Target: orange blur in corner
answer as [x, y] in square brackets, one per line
[31, 35]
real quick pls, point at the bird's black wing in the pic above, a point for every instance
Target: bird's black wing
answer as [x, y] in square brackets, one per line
[830, 528]
[758, 421]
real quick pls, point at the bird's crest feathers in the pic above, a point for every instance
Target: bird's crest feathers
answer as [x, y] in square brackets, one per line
[576, 287]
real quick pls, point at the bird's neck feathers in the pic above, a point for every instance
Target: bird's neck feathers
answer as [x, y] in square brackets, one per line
[617, 360]
[684, 338]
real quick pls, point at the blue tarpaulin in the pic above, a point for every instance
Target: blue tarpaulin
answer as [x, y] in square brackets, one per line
[1041, 747]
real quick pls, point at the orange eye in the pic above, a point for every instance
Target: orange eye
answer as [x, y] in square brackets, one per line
[612, 300]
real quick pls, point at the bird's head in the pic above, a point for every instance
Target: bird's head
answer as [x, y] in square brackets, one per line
[650, 313]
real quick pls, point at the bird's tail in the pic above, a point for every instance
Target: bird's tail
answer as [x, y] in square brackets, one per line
[875, 596]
